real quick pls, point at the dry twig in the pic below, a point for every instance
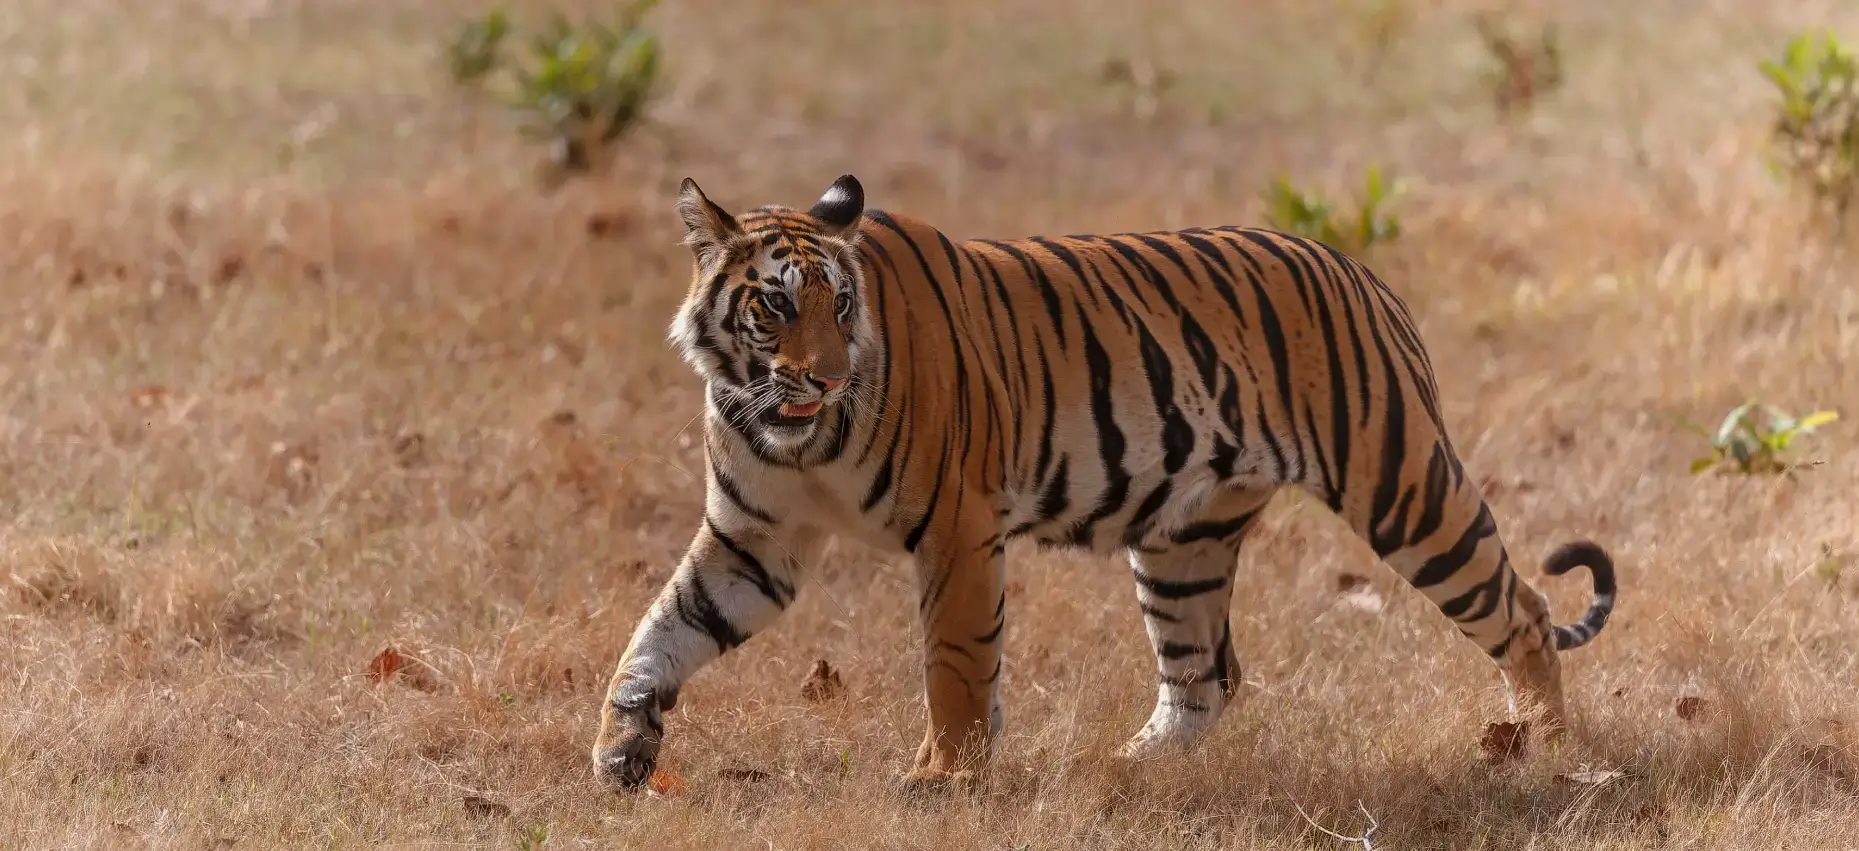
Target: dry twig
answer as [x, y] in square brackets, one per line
[1365, 840]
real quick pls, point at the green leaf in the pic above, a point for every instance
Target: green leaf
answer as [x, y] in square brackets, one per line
[1702, 464]
[1816, 420]
[1731, 421]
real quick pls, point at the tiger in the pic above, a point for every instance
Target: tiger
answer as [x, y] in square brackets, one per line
[868, 378]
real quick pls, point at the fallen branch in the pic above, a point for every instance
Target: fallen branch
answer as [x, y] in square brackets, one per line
[1365, 840]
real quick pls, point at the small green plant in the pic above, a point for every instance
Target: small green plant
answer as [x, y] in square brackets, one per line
[477, 49]
[587, 85]
[533, 838]
[1521, 73]
[1830, 565]
[1746, 443]
[578, 87]
[1816, 126]
[1309, 215]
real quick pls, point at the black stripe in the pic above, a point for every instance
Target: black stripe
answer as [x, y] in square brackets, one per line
[727, 487]
[878, 275]
[1149, 272]
[1048, 293]
[1223, 278]
[880, 485]
[1433, 498]
[1227, 677]
[1177, 435]
[1486, 593]
[699, 612]
[1224, 454]
[1277, 348]
[1158, 614]
[1443, 566]
[1176, 650]
[1144, 517]
[1110, 441]
[1387, 534]
[1333, 460]
[782, 593]
[1167, 589]
[1052, 501]
[1213, 530]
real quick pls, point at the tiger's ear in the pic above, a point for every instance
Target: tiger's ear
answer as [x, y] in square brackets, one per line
[708, 228]
[839, 209]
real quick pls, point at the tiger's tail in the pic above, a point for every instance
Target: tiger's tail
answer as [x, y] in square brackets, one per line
[1590, 555]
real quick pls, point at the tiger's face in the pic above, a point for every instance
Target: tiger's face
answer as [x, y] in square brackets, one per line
[775, 318]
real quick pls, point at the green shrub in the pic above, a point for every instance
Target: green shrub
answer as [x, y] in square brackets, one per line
[1816, 127]
[1309, 215]
[1747, 444]
[578, 87]
[477, 50]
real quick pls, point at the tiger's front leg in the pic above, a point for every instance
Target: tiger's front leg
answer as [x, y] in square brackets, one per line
[963, 608]
[731, 584]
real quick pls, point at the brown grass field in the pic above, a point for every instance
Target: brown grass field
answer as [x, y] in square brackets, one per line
[298, 365]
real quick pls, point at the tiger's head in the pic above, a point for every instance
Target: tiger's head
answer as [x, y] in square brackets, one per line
[775, 318]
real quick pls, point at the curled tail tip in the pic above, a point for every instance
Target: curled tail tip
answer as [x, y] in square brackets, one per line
[1600, 565]
[1583, 553]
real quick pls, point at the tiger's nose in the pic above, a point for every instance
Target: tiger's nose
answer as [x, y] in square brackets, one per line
[826, 383]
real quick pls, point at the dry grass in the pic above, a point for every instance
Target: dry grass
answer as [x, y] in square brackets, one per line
[296, 369]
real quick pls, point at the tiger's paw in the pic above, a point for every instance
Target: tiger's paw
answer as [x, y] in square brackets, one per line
[627, 761]
[1156, 741]
[926, 782]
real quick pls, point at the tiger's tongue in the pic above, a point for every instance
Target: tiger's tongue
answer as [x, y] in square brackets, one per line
[806, 410]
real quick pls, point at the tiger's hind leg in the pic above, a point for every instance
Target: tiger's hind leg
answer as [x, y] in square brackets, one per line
[1450, 550]
[1185, 589]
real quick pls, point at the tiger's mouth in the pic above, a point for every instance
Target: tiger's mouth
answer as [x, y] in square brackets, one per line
[793, 415]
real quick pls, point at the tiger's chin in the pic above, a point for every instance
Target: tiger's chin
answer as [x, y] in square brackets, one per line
[789, 425]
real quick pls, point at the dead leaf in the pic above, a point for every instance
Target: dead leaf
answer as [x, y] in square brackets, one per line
[385, 664]
[746, 775]
[822, 683]
[1358, 593]
[231, 267]
[481, 806]
[1620, 692]
[1834, 763]
[148, 396]
[1691, 707]
[410, 449]
[1503, 740]
[393, 664]
[1590, 778]
[608, 224]
[663, 783]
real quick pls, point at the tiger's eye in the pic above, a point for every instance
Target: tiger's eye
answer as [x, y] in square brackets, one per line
[842, 304]
[776, 301]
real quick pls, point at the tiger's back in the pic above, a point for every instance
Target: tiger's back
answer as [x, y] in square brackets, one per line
[1147, 393]
[1123, 379]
